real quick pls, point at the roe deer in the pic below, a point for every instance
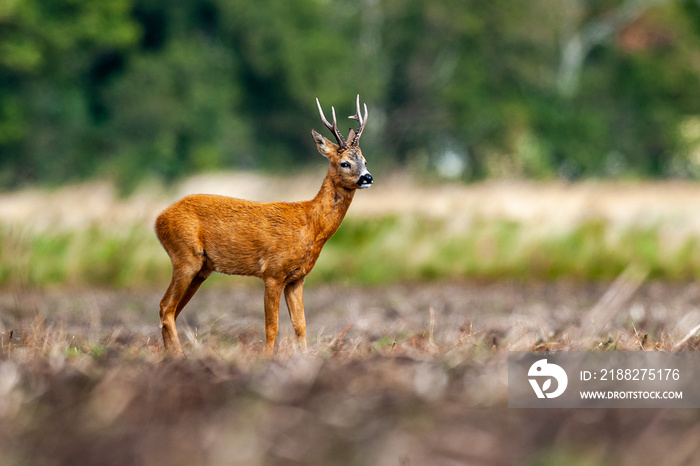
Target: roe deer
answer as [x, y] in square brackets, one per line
[278, 241]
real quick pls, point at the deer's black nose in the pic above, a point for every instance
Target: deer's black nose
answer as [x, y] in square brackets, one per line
[365, 181]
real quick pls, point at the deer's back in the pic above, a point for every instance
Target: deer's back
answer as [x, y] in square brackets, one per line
[237, 236]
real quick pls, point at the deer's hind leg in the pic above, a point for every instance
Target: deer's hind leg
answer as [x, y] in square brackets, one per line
[196, 282]
[188, 275]
[273, 293]
[294, 296]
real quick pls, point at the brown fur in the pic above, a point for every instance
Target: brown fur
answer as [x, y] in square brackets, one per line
[278, 242]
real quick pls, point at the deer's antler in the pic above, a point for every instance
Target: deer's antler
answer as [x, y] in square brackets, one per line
[362, 121]
[355, 135]
[333, 127]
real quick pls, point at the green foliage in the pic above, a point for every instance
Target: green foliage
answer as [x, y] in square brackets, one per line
[541, 89]
[390, 249]
[372, 251]
[97, 256]
[184, 123]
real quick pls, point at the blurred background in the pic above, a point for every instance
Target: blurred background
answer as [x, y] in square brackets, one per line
[541, 139]
[544, 89]
[535, 165]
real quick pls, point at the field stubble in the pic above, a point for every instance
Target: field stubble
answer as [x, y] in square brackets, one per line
[400, 374]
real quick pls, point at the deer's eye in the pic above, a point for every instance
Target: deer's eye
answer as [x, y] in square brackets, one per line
[344, 165]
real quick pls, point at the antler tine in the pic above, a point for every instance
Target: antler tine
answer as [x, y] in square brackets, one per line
[358, 115]
[323, 117]
[362, 121]
[334, 127]
[335, 122]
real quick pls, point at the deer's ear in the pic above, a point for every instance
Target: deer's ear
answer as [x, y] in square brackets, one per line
[351, 136]
[324, 146]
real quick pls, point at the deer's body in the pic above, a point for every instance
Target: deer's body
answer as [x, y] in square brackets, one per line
[273, 240]
[278, 242]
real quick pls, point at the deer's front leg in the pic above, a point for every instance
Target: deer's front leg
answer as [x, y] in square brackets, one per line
[273, 293]
[294, 295]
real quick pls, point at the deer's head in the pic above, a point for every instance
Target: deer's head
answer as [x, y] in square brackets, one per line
[347, 162]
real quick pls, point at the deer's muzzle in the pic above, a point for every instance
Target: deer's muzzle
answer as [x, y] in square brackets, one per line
[365, 181]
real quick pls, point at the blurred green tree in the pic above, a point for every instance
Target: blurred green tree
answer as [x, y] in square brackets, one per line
[472, 89]
[48, 49]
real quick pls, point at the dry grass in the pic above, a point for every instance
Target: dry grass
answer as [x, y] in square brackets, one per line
[551, 207]
[405, 374]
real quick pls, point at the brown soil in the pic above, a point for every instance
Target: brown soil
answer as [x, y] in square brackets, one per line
[83, 379]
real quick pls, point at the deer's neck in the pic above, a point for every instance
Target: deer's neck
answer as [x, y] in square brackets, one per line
[329, 208]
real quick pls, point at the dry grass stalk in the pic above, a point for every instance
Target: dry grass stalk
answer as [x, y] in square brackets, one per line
[610, 305]
[688, 336]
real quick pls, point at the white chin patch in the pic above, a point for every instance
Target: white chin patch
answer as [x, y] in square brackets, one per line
[364, 185]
